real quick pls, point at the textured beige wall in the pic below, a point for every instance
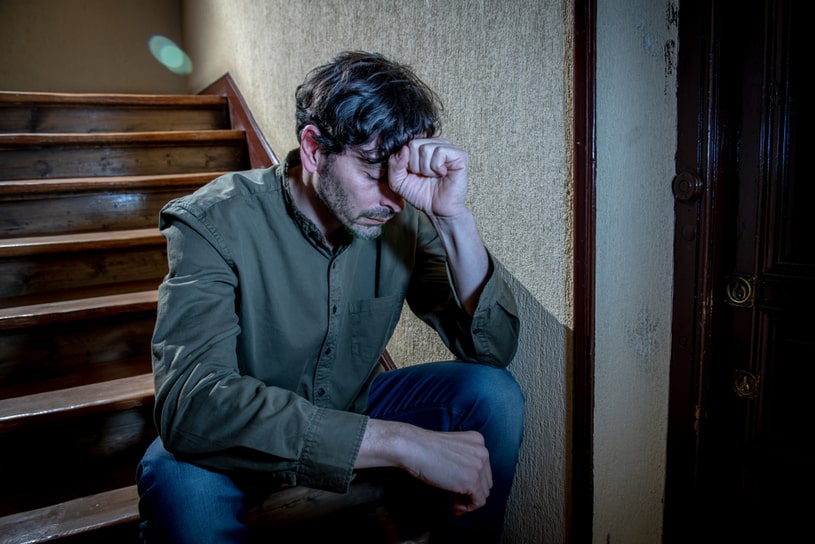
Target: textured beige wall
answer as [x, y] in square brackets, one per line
[86, 45]
[500, 67]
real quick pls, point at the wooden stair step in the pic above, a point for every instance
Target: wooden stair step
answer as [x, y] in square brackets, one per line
[296, 504]
[39, 269]
[71, 518]
[86, 308]
[58, 112]
[73, 242]
[64, 139]
[119, 506]
[108, 99]
[20, 189]
[120, 394]
[86, 204]
[26, 156]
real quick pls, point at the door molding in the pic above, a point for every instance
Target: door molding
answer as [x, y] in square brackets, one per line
[580, 516]
[696, 255]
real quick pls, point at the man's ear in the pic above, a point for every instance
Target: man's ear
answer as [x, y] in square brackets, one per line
[310, 153]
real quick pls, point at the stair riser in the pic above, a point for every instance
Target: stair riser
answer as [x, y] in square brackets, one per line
[35, 359]
[120, 160]
[51, 214]
[76, 119]
[64, 276]
[61, 460]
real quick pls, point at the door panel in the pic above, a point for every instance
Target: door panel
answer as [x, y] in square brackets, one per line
[743, 361]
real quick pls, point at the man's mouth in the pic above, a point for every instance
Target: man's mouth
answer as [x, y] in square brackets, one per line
[378, 218]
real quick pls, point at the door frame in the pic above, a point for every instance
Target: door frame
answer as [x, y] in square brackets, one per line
[580, 517]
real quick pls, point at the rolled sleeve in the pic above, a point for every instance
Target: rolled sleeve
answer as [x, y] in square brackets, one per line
[495, 325]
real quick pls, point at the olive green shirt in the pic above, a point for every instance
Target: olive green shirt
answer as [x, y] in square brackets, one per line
[267, 341]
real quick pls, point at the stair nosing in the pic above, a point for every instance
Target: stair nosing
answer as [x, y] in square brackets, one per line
[60, 311]
[24, 187]
[27, 139]
[51, 522]
[83, 399]
[74, 242]
[146, 100]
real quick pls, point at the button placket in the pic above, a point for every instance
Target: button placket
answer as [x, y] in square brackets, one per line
[322, 378]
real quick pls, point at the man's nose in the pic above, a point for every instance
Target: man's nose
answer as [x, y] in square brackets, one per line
[391, 199]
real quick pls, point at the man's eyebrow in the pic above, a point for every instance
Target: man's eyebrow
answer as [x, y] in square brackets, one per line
[370, 156]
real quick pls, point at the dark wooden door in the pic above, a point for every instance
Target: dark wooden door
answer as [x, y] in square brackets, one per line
[742, 409]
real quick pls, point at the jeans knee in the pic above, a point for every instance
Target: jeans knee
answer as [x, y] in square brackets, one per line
[500, 390]
[180, 502]
[499, 401]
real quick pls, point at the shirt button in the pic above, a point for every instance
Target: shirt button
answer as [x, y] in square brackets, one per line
[321, 392]
[328, 351]
[334, 309]
[476, 331]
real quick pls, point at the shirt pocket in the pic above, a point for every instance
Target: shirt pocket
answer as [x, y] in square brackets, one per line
[372, 324]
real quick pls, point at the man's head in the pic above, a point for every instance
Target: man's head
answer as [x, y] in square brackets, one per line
[361, 98]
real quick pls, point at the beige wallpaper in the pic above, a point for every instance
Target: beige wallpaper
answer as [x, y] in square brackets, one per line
[86, 45]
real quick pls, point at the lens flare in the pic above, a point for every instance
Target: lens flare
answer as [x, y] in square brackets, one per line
[170, 55]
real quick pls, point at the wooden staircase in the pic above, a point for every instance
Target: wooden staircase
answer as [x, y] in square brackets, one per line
[82, 178]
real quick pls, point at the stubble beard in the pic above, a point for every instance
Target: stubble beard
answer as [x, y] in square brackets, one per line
[335, 197]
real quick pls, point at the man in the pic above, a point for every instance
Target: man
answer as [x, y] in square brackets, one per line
[284, 287]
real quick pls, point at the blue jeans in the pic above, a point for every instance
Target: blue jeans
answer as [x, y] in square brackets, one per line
[183, 503]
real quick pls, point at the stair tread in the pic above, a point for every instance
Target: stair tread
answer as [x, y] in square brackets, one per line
[119, 393]
[111, 99]
[24, 139]
[37, 245]
[19, 187]
[72, 517]
[53, 312]
[118, 506]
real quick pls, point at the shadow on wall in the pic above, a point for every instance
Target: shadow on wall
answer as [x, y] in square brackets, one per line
[537, 508]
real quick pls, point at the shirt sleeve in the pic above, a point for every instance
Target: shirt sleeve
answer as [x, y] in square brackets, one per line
[206, 411]
[490, 336]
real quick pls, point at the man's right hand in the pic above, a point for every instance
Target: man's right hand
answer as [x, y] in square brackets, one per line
[454, 461]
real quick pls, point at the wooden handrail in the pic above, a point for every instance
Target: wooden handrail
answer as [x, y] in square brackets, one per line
[260, 153]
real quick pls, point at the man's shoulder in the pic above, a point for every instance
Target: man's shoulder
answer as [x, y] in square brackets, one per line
[234, 189]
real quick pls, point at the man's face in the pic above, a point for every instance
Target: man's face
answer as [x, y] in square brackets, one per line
[353, 185]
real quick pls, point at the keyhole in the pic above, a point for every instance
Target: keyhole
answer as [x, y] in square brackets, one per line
[739, 291]
[745, 384]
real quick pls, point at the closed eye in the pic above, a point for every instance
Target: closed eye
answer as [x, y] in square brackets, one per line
[376, 173]
[375, 168]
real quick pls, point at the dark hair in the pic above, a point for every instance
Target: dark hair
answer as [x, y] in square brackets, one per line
[360, 96]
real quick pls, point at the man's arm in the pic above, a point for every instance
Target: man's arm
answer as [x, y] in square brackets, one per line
[431, 174]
